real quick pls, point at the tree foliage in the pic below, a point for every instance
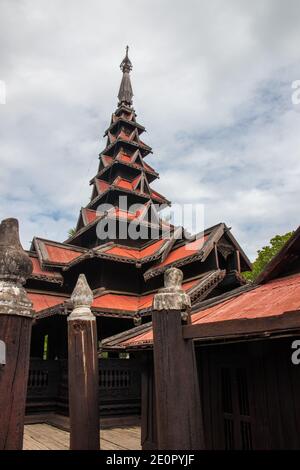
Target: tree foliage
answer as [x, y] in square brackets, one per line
[71, 232]
[266, 254]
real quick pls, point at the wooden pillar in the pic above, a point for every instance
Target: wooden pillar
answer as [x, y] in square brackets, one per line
[148, 412]
[178, 406]
[83, 370]
[15, 332]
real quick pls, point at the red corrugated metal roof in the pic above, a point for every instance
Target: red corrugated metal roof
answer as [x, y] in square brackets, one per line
[131, 303]
[275, 298]
[122, 183]
[91, 215]
[107, 159]
[60, 255]
[44, 301]
[272, 299]
[124, 157]
[101, 185]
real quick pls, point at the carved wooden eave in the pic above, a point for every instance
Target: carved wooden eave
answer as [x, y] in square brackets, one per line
[135, 166]
[96, 200]
[49, 279]
[120, 120]
[161, 225]
[232, 239]
[131, 143]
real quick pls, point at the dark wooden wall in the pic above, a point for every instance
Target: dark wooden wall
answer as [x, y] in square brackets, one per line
[119, 387]
[250, 395]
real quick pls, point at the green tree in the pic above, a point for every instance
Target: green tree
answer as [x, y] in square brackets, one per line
[71, 232]
[266, 254]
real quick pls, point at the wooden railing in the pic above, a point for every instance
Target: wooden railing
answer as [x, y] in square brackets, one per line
[119, 387]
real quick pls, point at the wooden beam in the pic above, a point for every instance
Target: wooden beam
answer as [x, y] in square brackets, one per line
[238, 261]
[242, 327]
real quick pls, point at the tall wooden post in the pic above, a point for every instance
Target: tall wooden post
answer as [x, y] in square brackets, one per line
[15, 332]
[178, 406]
[83, 370]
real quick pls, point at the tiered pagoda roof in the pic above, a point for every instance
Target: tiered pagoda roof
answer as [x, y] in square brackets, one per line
[124, 274]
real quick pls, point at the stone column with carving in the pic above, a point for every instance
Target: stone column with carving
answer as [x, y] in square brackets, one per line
[83, 370]
[15, 331]
[178, 406]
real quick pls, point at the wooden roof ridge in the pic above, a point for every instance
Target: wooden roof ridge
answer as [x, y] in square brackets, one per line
[285, 255]
[85, 228]
[101, 252]
[49, 275]
[128, 142]
[59, 244]
[129, 191]
[80, 231]
[126, 121]
[147, 168]
[114, 340]
[214, 234]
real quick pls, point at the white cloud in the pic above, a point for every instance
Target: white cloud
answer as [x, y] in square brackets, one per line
[212, 81]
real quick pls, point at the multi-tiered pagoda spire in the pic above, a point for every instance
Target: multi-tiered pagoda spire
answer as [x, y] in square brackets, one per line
[122, 169]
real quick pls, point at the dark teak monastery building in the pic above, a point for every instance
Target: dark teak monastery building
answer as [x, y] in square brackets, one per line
[124, 273]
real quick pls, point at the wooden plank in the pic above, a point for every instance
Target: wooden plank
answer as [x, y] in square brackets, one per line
[46, 437]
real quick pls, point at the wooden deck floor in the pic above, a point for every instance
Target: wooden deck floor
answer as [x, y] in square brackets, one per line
[47, 437]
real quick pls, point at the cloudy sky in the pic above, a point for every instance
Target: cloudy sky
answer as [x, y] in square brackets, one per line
[212, 83]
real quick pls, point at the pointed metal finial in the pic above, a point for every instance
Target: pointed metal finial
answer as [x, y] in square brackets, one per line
[126, 65]
[82, 299]
[125, 92]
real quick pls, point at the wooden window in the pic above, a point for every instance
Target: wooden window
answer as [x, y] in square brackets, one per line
[236, 408]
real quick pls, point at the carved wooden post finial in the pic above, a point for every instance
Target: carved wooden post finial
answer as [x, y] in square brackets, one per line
[172, 296]
[83, 370]
[178, 415]
[82, 299]
[15, 332]
[15, 268]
